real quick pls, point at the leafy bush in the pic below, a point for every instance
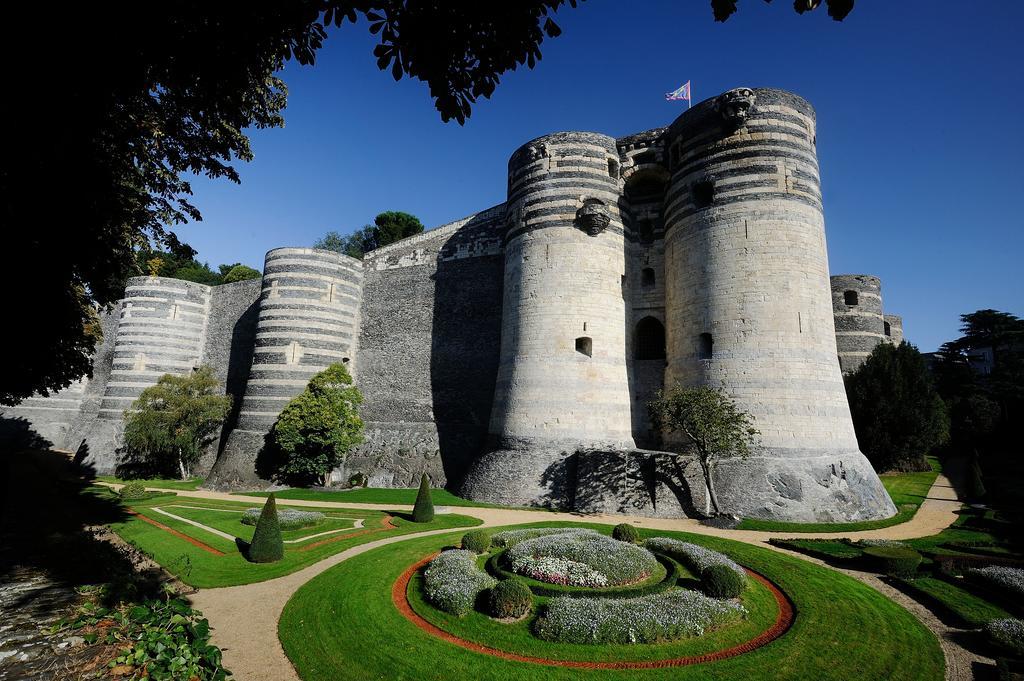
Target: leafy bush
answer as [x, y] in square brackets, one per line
[358, 480]
[510, 599]
[674, 614]
[721, 581]
[864, 543]
[452, 581]
[898, 561]
[240, 273]
[477, 541]
[1006, 579]
[625, 532]
[510, 538]
[695, 557]
[581, 559]
[287, 518]
[1007, 634]
[134, 490]
[423, 509]
[266, 545]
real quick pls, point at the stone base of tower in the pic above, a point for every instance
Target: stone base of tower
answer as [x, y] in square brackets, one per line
[832, 487]
[236, 466]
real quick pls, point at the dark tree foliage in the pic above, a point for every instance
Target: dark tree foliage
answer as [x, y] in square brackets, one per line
[131, 97]
[837, 9]
[423, 509]
[898, 415]
[267, 545]
[387, 228]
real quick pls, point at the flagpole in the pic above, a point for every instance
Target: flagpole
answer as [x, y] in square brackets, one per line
[689, 91]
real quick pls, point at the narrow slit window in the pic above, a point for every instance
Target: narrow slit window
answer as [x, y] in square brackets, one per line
[647, 277]
[585, 346]
[888, 328]
[850, 298]
[705, 346]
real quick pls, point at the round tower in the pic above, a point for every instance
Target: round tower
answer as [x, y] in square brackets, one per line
[860, 325]
[562, 382]
[748, 309]
[893, 328]
[308, 320]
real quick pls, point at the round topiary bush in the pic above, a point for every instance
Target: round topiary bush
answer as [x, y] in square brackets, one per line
[476, 541]
[721, 581]
[133, 490]
[898, 561]
[510, 599]
[625, 532]
[1007, 634]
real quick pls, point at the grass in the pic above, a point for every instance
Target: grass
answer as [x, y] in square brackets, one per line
[199, 568]
[907, 490]
[163, 483]
[827, 549]
[377, 495]
[964, 607]
[342, 624]
[230, 521]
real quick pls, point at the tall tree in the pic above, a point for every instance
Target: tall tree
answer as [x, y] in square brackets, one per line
[714, 426]
[387, 228]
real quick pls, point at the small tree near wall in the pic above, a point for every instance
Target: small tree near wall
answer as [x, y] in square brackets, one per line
[171, 422]
[714, 427]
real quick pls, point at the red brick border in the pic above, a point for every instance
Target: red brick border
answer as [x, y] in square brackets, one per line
[783, 622]
[180, 535]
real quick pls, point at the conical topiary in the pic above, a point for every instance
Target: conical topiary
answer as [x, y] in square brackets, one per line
[423, 511]
[266, 545]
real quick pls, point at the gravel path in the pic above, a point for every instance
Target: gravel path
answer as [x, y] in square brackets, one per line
[244, 618]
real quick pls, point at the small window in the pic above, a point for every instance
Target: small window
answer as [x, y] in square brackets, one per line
[613, 168]
[650, 339]
[585, 346]
[888, 329]
[646, 232]
[705, 346]
[345, 360]
[647, 277]
[850, 297]
[703, 193]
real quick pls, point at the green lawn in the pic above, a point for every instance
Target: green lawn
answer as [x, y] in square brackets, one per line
[826, 549]
[377, 495]
[965, 607]
[164, 483]
[202, 569]
[342, 624]
[907, 490]
[230, 520]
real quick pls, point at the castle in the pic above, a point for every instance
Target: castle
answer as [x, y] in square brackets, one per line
[511, 354]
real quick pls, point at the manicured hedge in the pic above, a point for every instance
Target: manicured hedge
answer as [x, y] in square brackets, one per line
[266, 545]
[134, 490]
[477, 541]
[510, 599]
[721, 581]
[423, 509]
[672, 575]
[899, 561]
[625, 532]
[452, 582]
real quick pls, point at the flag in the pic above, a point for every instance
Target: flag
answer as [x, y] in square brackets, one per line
[681, 93]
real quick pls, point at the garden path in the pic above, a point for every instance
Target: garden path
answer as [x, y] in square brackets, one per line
[244, 618]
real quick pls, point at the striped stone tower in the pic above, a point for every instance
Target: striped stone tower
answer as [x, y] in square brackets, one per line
[562, 382]
[860, 324]
[308, 319]
[893, 326]
[748, 308]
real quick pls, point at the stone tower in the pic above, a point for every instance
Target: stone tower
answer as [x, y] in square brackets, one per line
[860, 325]
[562, 380]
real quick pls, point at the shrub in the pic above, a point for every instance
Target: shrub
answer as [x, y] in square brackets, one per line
[695, 557]
[721, 581]
[671, 615]
[358, 480]
[477, 541]
[864, 543]
[423, 509]
[134, 490]
[510, 538]
[1007, 579]
[510, 599]
[287, 518]
[1007, 634]
[898, 561]
[582, 559]
[266, 545]
[240, 273]
[625, 532]
[452, 582]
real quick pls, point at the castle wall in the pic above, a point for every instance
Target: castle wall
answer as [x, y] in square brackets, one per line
[893, 328]
[308, 319]
[428, 351]
[860, 326]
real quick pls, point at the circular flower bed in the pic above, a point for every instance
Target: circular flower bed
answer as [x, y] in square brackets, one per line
[287, 518]
[584, 559]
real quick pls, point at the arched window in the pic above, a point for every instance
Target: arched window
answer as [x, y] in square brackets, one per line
[888, 329]
[647, 277]
[850, 297]
[705, 346]
[650, 339]
[585, 346]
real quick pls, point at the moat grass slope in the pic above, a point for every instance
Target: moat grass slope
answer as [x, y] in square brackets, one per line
[342, 624]
[907, 490]
[202, 569]
[162, 483]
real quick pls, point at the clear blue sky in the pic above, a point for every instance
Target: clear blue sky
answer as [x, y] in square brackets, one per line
[919, 110]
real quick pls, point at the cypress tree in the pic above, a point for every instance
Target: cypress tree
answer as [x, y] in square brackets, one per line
[423, 511]
[266, 545]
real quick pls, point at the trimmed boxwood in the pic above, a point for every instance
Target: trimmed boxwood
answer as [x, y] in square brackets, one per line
[266, 545]
[477, 541]
[134, 490]
[625, 532]
[672, 574]
[721, 581]
[510, 599]
[423, 510]
[898, 561]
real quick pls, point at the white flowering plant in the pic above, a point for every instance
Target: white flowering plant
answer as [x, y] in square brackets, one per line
[657, 618]
[509, 538]
[1008, 579]
[695, 557]
[1007, 634]
[452, 581]
[581, 559]
[287, 518]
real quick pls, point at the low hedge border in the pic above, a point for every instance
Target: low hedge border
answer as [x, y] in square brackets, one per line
[672, 570]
